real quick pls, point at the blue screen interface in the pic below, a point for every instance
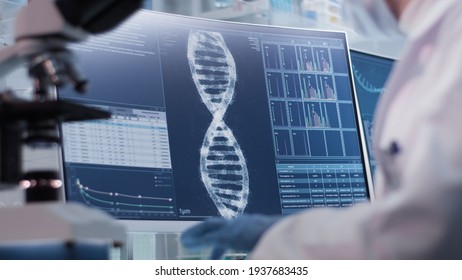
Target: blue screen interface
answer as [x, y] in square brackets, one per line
[370, 75]
[213, 118]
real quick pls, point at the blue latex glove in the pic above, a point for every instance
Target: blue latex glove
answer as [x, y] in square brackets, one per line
[240, 234]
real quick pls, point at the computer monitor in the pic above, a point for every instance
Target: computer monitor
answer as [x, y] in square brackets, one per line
[370, 73]
[213, 118]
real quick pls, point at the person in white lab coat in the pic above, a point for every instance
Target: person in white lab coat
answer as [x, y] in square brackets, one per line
[418, 137]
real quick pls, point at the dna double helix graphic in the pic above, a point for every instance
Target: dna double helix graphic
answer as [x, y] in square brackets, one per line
[364, 83]
[223, 167]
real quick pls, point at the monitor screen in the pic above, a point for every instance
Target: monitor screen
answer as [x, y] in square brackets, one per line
[370, 75]
[213, 118]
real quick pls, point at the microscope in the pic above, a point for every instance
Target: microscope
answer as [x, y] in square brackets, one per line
[43, 30]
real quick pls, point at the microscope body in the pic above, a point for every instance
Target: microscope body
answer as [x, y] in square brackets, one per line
[43, 30]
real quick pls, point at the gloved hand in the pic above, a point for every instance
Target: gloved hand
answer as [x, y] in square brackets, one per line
[241, 233]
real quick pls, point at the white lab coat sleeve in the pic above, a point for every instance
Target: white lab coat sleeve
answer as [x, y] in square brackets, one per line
[421, 219]
[315, 234]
